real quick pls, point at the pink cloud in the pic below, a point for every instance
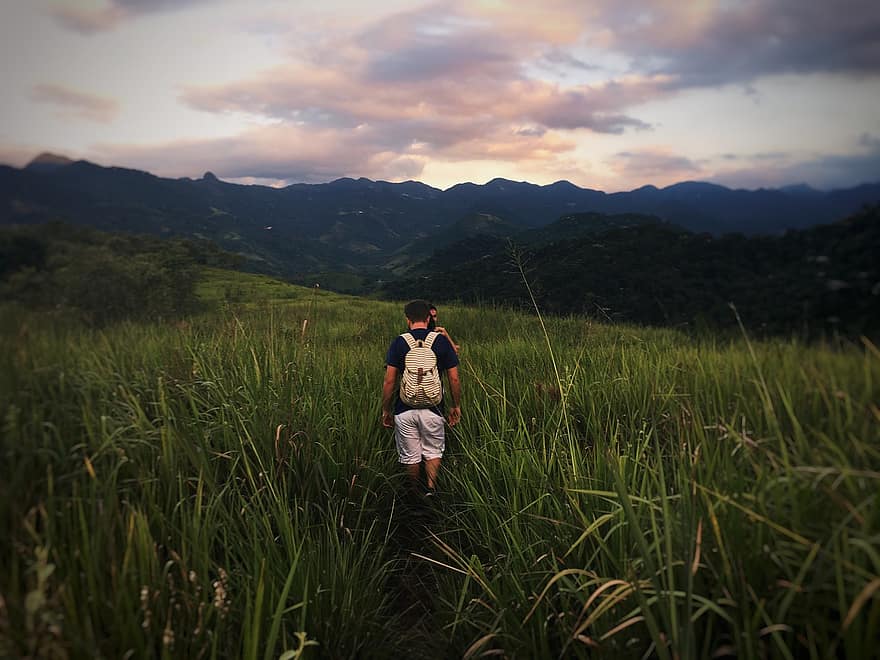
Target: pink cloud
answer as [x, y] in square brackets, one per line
[339, 96]
[442, 81]
[433, 83]
[88, 21]
[314, 154]
[457, 82]
[76, 103]
[288, 153]
[657, 165]
[99, 19]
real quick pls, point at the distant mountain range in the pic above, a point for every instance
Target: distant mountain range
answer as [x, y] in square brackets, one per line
[360, 226]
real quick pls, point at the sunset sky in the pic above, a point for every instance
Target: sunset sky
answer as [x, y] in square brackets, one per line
[608, 94]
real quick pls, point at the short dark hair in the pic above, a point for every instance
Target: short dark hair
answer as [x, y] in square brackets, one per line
[417, 310]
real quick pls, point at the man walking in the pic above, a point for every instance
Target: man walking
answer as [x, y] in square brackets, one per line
[418, 359]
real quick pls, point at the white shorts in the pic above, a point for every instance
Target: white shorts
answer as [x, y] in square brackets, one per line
[419, 433]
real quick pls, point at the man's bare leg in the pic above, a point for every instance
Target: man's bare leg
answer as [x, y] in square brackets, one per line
[432, 467]
[413, 471]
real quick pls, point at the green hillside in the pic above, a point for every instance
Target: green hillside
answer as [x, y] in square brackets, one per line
[218, 285]
[220, 486]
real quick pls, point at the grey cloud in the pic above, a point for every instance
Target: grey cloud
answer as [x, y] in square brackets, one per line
[870, 141]
[823, 172]
[433, 43]
[599, 122]
[279, 98]
[831, 172]
[647, 165]
[750, 39]
[843, 171]
[532, 131]
[596, 109]
[770, 155]
[730, 42]
[428, 61]
[559, 57]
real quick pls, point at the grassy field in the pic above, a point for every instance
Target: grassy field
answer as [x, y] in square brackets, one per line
[222, 487]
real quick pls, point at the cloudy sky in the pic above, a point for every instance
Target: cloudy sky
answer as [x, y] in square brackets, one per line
[608, 94]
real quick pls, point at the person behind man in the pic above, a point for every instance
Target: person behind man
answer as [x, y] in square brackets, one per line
[416, 412]
[432, 325]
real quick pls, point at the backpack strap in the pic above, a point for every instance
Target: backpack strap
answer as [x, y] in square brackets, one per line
[409, 339]
[413, 342]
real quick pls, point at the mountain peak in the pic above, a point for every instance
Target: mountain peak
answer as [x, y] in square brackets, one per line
[47, 162]
[799, 189]
[209, 176]
[500, 183]
[563, 184]
[695, 187]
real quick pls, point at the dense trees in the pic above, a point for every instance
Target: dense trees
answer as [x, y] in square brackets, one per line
[102, 277]
[811, 281]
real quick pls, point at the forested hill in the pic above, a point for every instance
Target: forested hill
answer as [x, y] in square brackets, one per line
[819, 280]
[363, 226]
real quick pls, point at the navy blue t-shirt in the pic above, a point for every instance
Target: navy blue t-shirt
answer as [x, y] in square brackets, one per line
[396, 357]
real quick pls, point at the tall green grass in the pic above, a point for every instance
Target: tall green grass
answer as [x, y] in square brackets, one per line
[222, 487]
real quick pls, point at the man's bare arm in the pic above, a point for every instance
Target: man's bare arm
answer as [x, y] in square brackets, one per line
[388, 388]
[443, 332]
[455, 391]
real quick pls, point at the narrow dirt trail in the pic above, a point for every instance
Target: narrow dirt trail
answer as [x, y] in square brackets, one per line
[414, 583]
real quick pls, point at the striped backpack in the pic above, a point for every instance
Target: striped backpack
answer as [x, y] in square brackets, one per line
[420, 385]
